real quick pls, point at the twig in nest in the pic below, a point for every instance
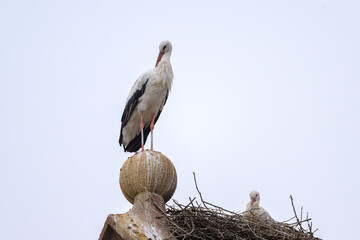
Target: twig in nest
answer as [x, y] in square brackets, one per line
[297, 219]
[202, 200]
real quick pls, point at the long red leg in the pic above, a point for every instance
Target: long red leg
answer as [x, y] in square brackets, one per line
[142, 130]
[151, 129]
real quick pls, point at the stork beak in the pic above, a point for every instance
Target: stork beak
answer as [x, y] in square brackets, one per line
[159, 58]
[252, 201]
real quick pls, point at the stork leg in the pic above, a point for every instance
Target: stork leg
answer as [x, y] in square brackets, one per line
[151, 129]
[142, 130]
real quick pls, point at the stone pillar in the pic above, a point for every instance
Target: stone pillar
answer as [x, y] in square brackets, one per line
[148, 180]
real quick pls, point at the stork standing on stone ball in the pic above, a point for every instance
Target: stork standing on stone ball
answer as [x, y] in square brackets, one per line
[146, 101]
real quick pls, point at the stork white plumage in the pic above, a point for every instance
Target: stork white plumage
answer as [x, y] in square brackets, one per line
[253, 208]
[146, 101]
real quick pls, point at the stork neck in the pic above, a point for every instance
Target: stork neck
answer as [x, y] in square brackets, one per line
[166, 57]
[165, 72]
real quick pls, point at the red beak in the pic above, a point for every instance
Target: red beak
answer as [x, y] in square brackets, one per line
[159, 58]
[252, 201]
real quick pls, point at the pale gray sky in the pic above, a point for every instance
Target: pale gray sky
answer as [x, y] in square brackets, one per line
[265, 97]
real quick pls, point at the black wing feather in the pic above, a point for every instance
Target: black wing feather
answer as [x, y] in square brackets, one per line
[129, 108]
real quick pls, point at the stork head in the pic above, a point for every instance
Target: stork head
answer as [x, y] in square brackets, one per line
[165, 47]
[255, 197]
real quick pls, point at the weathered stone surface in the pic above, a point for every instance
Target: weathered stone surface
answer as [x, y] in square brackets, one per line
[148, 171]
[144, 221]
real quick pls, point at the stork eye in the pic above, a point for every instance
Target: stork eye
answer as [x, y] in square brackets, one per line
[164, 48]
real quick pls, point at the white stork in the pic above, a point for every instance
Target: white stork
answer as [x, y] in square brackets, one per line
[146, 101]
[253, 208]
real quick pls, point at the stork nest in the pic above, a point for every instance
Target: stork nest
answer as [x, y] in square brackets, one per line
[210, 222]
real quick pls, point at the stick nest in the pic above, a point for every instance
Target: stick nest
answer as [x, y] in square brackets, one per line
[207, 221]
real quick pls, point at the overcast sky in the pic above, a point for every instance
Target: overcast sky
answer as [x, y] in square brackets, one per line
[266, 96]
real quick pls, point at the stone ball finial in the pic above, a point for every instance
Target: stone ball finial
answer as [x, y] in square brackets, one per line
[148, 171]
